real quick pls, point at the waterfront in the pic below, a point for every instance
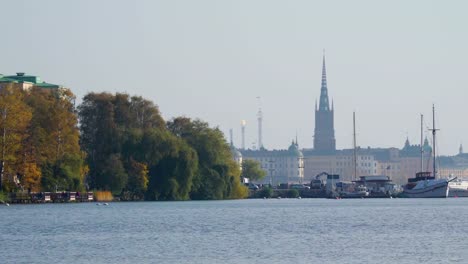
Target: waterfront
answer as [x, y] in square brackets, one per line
[238, 231]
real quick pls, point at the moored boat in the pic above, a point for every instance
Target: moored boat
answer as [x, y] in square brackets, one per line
[458, 188]
[426, 185]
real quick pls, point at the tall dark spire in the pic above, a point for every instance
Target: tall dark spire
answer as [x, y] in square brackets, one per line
[324, 104]
[324, 136]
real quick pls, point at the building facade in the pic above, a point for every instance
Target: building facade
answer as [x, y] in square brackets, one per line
[26, 82]
[281, 166]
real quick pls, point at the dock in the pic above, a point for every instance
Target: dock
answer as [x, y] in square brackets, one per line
[50, 197]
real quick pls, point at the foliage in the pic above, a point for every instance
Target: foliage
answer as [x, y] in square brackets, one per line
[40, 137]
[131, 149]
[137, 177]
[15, 117]
[218, 174]
[266, 192]
[3, 197]
[147, 160]
[252, 170]
[103, 196]
[293, 193]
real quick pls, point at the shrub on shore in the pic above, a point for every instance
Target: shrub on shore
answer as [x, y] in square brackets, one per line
[293, 193]
[3, 197]
[103, 196]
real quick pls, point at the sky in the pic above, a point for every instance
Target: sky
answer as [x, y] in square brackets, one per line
[388, 61]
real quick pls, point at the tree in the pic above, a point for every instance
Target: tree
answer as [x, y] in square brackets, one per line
[15, 116]
[112, 175]
[137, 178]
[218, 174]
[252, 170]
[53, 139]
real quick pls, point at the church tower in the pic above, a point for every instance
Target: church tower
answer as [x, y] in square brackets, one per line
[324, 138]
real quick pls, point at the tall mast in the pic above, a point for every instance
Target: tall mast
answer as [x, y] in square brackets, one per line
[434, 168]
[354, 145]
[422, 148]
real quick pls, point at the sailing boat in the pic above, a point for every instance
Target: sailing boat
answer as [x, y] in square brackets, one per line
[361, 190]
[424, 185]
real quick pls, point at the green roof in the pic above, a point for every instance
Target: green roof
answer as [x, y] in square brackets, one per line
[7, 80]
[20, 77]
[47, 85]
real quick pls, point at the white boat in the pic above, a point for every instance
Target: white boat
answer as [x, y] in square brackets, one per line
[360, 192]
[434, 188]
[425, 185]
[458, 188]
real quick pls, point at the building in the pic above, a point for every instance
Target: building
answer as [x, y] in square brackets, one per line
[26, 82]
[324, 135]
[281, 166]
[342, 163]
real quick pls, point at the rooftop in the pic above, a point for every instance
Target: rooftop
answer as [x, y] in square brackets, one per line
[21, 77]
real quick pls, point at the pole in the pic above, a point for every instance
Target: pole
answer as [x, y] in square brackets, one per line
[422, 149]
[434, 169]
[354, 145]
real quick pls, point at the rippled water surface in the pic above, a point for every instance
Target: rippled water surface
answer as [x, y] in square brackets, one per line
[244, 231]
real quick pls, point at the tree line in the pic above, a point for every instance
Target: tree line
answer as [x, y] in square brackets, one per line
[120, 144]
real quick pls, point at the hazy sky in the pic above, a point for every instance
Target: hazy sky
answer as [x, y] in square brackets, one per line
[386, 60]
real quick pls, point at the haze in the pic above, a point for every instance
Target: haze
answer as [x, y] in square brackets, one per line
[388, 61]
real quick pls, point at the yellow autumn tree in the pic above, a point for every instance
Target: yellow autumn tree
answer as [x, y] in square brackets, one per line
[15, 117]
[54, 139]
[31, 177]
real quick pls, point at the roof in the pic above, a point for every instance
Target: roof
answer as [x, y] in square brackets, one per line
[47, 85]
[7, 80]
[20, 77]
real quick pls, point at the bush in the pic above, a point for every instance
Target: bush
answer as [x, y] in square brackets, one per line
[103, 196]
[266, 192]
[3, 197]
[293, 193]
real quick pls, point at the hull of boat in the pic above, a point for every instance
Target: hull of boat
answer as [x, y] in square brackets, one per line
[351, 195]
[454, 192]
[440, 190]
[458, 188]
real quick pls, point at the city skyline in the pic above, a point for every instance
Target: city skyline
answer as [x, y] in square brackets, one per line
[389, 62]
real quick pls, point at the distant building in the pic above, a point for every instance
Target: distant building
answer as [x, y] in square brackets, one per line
[26, 82]
[342, 163]
[324, 135]
[281, 166]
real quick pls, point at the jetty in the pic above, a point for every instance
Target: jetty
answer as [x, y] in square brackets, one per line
[50, 197]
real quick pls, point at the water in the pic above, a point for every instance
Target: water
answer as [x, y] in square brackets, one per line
[244, 231]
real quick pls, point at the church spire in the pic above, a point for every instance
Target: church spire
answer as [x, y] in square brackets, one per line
[324, 105]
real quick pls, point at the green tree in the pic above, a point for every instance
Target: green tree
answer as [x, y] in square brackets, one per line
[137, 178]
[252, 170]
[217, 176]
[112, 175]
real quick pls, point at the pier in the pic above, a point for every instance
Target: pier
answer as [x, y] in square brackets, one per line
[50, 197]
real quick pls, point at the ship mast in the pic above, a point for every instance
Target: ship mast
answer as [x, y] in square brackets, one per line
[422, 148]
[434, 169]
[354, 145]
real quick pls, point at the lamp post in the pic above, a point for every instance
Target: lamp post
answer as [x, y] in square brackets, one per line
[271, 169]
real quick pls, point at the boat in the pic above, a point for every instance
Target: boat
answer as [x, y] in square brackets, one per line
[359, 192]
[458, 188]
[425, 185]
